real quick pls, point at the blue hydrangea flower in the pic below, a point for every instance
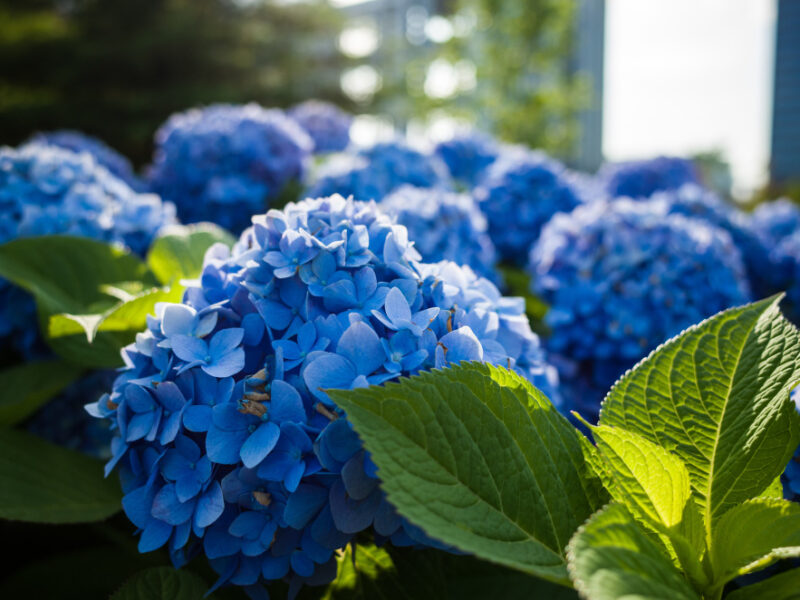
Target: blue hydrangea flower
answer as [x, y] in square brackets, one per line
[48, 190]
[444, 226]
[784, 266]
[699, 203]
[622, 277]
[467, 156]
[224, 162]
[327, 124]
[642, 178]
[522, 190]
[773, 221]
[104, 155]
[373, 173]
[325, 294]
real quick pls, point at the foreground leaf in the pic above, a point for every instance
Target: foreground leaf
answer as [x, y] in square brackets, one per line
[481, 460]
[779, 587]
[70, 274]
[162, 583]
[96, 340]
[44, 483]
[717, 396]
[24, 388]
[611, 557]
[178, 253]
[754, 535]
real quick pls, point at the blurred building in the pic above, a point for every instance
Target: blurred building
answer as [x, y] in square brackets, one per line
[588, 60]
[785, 150]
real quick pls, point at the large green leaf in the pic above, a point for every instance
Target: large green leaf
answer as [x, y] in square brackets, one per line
[162, 583]
[611, 557]
[481, 460]
[95, 340]
[44, 483]
[717, 396]
[178, 253]
[71, 274]
[754, 535]
[784, 586]
[24, 388]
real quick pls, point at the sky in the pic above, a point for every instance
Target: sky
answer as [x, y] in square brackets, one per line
[684, 76]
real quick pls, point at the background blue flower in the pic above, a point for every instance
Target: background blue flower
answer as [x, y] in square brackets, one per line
[467, 156]
[225, 162]
[356, 308]
[620, 278]
[327, 124]
[522, 190]
[373, 173]
[642, 178]
[444, 226]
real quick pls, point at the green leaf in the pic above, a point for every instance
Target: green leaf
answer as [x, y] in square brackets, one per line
[178, 253]
[652, 483]
[44, 483]
[717, 396]
[775, 490]
[754, 535]
[481, 460]
[779, 587]
[24, 388]
[96, 340]
[162, 583]
[612, 557]
[69, 274]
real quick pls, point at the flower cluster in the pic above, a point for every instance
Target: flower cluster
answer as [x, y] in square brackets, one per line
[225, 435]
[467, 156]
[621, 277]
[375, 172]
[773, 221]
[327, 124]
[47, 190]
[444, 226]
[522, 190]
[117, 165]
[223, 163]
[642, 178]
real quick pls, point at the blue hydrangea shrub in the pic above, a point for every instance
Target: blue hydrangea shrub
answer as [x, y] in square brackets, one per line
[225, 438]
[468, 156]
[225, 162]
[620, 278]
[117, 165]
[643, 178]
[444, 225]
[327, 124]
[521, 191]
[373, 173]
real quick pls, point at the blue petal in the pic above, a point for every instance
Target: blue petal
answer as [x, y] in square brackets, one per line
[168, 508]
[362, 347]
[249, 522]
[197, 418]
[155, 535]
[223, 446]
[396, 306]
[303, 504]
[178, 319]
[302, 565]
[138, 505]
[356, 482]
[225, 341]
[139, 399]
[187, 486]
[275, 567]
[226, 365]
[209, 506]
[259, 444]
[352, 516]
[189, 348]
[286, 403]
[328, 371]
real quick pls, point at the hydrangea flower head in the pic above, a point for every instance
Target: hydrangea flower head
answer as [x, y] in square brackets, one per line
[117, 165]
[327, 124]
[47, 190]
[373, 173]
[225, 162]
[226, 436]
[522, 190]
[784, 265]
[467, 156]
[773, 221]
[620, 278]
[444, 225]
[642, 178]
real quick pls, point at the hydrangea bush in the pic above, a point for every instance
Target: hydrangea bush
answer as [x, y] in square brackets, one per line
[373, 173]
[225, 162]
[225, 437]
[642, 178]
[46, 190]
[521, 191]
[117, 165]
[444, 226]
[620, 278]
[327, 124]
[468, 156]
